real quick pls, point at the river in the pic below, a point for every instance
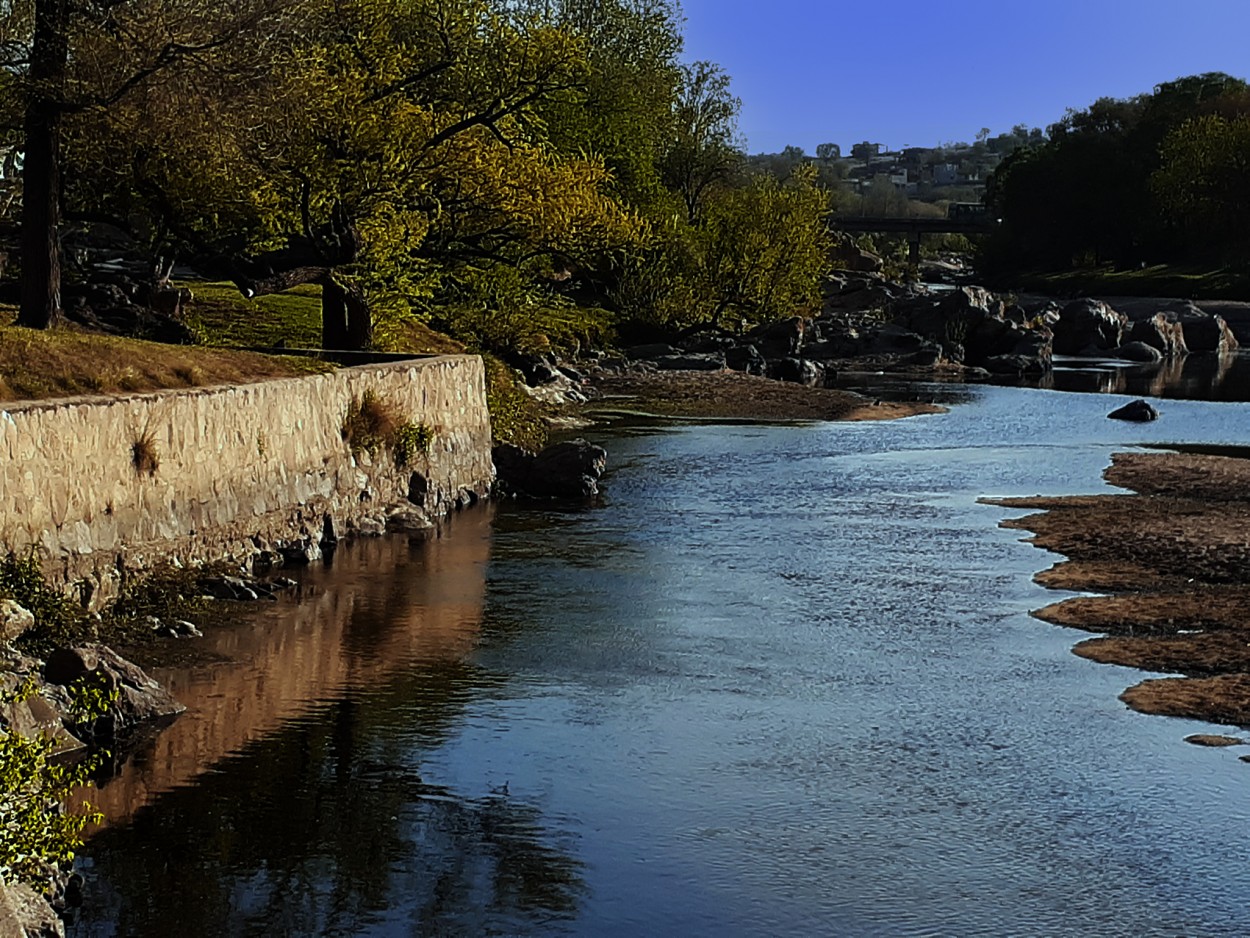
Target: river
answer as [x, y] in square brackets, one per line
[782, 682]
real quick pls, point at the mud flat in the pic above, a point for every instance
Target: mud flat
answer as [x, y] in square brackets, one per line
[1172, 560]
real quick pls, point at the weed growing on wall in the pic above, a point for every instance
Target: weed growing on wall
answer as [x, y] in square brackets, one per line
[412, 440]
[144, 454]
[369, 424]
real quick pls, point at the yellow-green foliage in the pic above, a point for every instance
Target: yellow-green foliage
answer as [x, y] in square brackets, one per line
[34, 830]
[57, 618]
[515, 417]
[412, 440]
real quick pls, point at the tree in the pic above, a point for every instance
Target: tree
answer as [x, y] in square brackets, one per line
[62, 78]
[703, 151]
[1203, 183]
[827, 152]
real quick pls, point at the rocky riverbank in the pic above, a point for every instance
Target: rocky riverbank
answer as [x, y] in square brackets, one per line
[869, 324]
[1172, 561]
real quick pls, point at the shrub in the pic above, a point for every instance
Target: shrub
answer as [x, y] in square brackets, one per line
[36, 831]
[411, 440]
[144, 454]
[57, 618]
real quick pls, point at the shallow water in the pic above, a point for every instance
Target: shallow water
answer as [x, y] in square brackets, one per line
[784, 682]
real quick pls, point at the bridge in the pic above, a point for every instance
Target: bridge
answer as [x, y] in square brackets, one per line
[914, 228]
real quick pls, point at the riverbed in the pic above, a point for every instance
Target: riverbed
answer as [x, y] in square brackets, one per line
[783, 681]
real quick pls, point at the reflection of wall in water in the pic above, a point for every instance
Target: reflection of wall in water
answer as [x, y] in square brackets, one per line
[381, 606]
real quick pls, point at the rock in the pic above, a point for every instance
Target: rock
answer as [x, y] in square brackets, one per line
[26, 914]
[845, 255]
[779, 339]
[566, 470]
[404, 520]
[704, 362]
[1138, 411]
[418, 489]
[34, 715]
[648, 352]
[797, 371]
[300, 552]
[1137, 352]
[1204, 739]
[746, 358]
[1088, 326]
[1161, 333]
[1206, 332]
[15, 620]
[1013, 365]
[140, 699]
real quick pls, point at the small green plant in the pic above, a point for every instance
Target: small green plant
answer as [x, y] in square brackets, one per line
[57, 618]
[36, 831]
[144, 454]
[369, 424]
[412, 440]
[262, 444]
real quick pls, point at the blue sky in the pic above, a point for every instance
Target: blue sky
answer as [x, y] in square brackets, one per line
[905, 72]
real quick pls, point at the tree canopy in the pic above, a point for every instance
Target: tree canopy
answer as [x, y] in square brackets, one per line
[463, 161]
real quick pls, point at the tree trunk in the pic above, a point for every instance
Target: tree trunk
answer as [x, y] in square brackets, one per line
[41, 175]
[333, 314]
[359, 321]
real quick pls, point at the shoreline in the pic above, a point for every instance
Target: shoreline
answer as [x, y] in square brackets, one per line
[733, 395]
[1170, 560]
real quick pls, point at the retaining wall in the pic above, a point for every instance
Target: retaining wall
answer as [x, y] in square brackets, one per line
[241, 469]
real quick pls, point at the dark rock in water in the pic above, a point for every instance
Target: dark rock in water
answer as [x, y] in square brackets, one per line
[797, 371]
[1137, 352]
[709, 362]
[648, 352]
[1088, 326]
[566, 470]
[139, 698]
[746, 358]
[1138, 411]
[1017, 365]
[1207, 739]
[1159, 332]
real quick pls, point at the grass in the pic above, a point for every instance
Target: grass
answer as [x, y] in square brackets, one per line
[221, 315]
[1199, 282]
[36, 364]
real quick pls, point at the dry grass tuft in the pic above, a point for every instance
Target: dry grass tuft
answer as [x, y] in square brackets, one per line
[144, 454]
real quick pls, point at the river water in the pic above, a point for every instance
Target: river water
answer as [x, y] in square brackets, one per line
[782, 682]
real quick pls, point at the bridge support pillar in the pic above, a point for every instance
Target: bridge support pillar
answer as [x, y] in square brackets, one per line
[913, 248]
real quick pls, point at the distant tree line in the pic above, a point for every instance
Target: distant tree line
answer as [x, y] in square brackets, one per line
[518, 172]
[1159, 178]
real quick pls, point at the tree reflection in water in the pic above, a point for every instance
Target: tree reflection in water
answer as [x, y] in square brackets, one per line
[326, 828]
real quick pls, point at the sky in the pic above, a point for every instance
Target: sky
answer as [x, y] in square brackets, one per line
[912, 73]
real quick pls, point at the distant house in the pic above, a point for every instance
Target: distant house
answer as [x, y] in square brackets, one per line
[945, 174]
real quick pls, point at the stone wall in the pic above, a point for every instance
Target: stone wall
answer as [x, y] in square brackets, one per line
[242, 469]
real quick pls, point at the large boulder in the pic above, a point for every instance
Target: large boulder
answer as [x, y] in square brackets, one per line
[1137, 411]
[1160, 332]
[746, 358]
[1088, 327]
[140, 700]
[797, 371]
[571, 469]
